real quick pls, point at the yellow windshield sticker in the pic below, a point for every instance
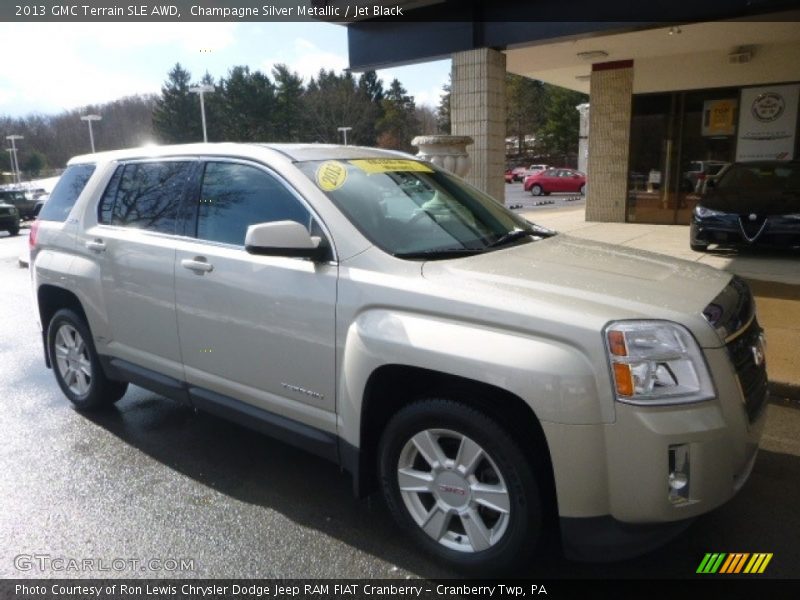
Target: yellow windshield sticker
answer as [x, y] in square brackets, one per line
[389, 165]
[331, 175]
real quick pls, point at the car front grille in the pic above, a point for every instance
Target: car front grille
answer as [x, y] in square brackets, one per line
[732, 314]
[752, 374]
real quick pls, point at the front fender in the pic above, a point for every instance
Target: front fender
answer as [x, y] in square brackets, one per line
[554, 378]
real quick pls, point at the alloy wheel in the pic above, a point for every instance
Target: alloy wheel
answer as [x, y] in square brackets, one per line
[453, 490]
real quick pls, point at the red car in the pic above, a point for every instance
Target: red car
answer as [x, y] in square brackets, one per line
[555, 180]
[509, 175]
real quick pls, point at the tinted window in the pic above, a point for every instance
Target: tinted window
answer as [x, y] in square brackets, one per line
[147, 195]
[235, 196]
[69, 187]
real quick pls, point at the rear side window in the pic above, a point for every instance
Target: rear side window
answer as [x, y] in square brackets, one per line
[66, 192]
[145, 195]
[235, 196]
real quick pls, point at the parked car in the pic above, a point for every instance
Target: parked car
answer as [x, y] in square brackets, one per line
[533, 169]
[755, 203]
[509, 175]
[23, 204]
[698, 171]
[485, 374]
[9, 218]
[555, 180]
[518, 173]
[40, 200]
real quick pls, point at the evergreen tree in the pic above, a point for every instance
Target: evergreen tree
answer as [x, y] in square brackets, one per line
[562, 126]
[332, 101]
[288, 107]
[399, 123]
[248, 105]
[525, 114]
[443, 110]
[176, 118]
[371, 88]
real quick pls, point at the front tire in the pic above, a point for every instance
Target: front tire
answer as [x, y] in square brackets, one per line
[459, 484]
[536, 190]
[13, 231]
[698, 247]
[76, 365]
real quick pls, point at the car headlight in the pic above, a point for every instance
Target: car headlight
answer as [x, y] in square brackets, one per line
[12, 211]
[656, 362]
[702, 212]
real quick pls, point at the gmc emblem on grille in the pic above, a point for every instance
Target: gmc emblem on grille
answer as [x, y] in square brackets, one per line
[758, 354]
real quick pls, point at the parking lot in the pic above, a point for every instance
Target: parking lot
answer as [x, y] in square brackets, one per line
[152, 479]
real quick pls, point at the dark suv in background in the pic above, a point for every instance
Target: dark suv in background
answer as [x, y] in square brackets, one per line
[25, 207]
[9, 218]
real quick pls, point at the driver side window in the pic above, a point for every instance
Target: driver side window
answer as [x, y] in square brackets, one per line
[234, 196]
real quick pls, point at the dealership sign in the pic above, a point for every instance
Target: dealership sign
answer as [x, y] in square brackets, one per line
[767, 123]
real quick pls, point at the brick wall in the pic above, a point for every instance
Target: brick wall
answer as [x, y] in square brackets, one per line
[478, 109]
[609, 141]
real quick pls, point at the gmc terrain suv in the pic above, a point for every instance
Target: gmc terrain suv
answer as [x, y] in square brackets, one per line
[496, 381]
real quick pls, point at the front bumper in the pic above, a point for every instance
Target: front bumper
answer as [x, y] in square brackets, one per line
[778, 232]
[612, 480]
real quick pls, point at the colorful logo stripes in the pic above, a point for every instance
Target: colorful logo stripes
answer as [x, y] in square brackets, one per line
[734, 562]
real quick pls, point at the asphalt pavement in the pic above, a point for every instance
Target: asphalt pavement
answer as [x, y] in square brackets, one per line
[150, 479]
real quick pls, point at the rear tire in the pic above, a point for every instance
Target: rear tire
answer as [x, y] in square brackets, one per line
[583, 190]
[76, 365]
[470, 496]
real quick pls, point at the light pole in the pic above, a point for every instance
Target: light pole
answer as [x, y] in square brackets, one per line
[89, 119]
[344, 131]
[15, 162]
[202, 89]
[11, 162]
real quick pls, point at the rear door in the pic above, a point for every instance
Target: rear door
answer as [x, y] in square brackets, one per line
[134, 247]
[258, 329]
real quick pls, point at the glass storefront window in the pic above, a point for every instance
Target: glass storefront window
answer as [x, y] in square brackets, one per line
[678, 139]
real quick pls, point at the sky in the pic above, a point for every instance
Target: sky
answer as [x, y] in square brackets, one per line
[47, 68]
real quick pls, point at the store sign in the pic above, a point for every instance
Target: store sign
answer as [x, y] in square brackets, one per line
[767, 123]
[719, 117]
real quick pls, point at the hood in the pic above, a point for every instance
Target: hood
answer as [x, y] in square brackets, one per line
[758, 202]
[590, 278]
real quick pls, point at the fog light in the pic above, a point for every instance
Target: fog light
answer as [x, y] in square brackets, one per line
[678, 479]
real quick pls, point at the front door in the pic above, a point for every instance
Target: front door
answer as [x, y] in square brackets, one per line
[259, 329]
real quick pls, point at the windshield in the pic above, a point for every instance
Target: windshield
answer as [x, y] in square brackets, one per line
[762, 177]
[411, 209]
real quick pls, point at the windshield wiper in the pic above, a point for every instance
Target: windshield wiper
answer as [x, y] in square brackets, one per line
[518, 234]
[442, 253]
[511, 236]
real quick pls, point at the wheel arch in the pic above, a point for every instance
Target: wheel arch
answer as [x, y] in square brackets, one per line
[393, 386]
[50, 299]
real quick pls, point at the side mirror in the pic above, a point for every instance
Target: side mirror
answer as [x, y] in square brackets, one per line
[284, 238]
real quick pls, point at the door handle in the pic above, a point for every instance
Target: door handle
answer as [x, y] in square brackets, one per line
[197, 264]
[96, 244]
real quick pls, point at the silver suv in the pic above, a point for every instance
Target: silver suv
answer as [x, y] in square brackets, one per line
[497, 382]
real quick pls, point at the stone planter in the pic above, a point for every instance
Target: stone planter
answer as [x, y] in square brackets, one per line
[446, 151]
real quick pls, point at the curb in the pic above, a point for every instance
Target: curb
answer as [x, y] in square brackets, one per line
[785, 394]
